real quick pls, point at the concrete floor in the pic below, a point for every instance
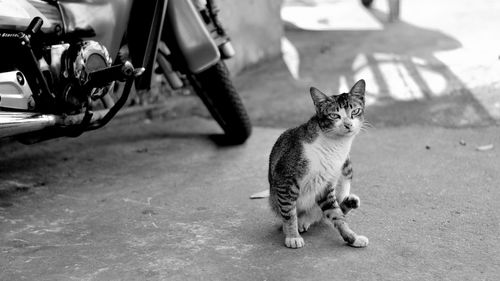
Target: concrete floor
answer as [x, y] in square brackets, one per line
[158, 200]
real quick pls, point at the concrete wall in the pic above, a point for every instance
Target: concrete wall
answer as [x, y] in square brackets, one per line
[255, 28]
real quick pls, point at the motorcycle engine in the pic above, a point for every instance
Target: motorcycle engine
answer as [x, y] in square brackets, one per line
[69, 67]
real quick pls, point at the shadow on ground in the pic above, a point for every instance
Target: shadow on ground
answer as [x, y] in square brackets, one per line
[407, 84]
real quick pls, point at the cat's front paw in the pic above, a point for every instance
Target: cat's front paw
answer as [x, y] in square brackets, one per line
[360, 242]
[294, 242]
[352, 201]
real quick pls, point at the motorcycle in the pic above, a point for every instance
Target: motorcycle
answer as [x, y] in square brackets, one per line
[61, 63]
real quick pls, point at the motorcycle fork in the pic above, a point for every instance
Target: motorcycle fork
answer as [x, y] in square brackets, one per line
[209, 13]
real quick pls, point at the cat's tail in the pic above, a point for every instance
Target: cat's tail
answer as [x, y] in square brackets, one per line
[260, 194]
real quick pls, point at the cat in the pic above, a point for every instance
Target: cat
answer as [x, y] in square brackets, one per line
[310, 171]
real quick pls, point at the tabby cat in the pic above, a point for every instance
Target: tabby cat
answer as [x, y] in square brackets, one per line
[310, 171]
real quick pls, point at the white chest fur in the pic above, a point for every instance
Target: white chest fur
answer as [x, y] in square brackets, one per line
[325, 157]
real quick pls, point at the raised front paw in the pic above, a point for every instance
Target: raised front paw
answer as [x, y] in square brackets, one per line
[294, 242]
[350, 202]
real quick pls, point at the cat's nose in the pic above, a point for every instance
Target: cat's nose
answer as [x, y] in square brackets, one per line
[348, 125]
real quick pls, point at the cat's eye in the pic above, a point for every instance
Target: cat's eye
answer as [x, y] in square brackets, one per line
[356, 112]
[334, 116]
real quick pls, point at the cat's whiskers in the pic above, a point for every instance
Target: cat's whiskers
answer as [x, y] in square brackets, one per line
[365, 126]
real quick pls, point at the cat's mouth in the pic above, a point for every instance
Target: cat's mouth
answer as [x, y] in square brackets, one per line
[350, 132]
[341, 133]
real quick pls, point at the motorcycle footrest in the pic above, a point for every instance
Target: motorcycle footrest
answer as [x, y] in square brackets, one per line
[120, 72]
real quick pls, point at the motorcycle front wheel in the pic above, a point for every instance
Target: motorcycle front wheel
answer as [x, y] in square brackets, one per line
[216, 90]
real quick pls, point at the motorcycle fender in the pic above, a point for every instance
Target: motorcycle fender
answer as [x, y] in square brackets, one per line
[197, 46]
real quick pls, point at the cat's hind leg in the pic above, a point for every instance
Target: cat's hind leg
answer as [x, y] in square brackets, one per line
[334, 215]
[286, 200]
[309, 217]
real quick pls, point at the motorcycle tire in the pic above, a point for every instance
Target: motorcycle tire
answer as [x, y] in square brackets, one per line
[216, 90]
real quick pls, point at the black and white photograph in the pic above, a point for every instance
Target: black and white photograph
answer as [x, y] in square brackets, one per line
[249, 140]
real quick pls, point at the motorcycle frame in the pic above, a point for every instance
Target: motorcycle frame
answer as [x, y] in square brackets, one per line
[176, 22]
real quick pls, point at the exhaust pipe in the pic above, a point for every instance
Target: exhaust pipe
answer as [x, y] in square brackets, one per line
[16, 123]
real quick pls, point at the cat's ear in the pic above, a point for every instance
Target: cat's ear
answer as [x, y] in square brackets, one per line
[358, 89]
[317, 96]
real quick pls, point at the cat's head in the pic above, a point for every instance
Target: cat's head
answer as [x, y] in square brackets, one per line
[340, 115]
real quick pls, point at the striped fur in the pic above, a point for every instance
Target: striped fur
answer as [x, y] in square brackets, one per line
[310, 170]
